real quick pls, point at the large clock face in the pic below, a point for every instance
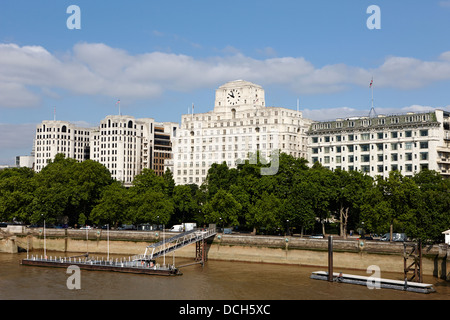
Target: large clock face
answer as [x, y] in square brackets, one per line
[233, 97]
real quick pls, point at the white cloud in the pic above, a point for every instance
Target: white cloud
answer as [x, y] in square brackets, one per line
[29, 72]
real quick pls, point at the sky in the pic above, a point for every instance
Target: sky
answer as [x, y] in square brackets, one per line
[160, 57]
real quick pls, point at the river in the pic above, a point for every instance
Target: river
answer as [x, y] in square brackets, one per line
[216, 280]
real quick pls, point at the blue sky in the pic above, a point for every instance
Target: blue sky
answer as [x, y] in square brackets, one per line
[159, 57]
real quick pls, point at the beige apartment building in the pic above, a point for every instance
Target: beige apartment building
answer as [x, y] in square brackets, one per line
[377, 145]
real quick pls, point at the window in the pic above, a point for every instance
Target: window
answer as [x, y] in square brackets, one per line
[351, 137]
[365, 136]
[394, 157]
[408, 145]
[424, 156]
[394, 134]
[424, 145]
[380, 135]
[424, 133]
[394, 146]
[365, 158]
[408, 157]
[315, 139]
[365, 147]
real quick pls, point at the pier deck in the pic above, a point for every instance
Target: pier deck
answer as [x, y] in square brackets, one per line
[138, 267]
[383, 283]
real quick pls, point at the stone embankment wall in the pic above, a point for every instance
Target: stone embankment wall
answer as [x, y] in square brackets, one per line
[347, 254]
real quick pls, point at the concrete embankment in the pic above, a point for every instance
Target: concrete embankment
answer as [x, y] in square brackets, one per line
[348, 254]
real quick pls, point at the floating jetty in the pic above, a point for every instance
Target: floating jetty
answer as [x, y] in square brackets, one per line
[118, 265]
[383, 283]
[143, 264]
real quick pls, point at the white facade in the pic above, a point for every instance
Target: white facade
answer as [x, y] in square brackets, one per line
[407, 143]
[239, 125]
[126, 145]
[53, 137]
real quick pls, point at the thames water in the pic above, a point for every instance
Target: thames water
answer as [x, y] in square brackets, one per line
[216, 280]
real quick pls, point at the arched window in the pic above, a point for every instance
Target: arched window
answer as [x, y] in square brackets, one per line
[64, 129]
[130, 124]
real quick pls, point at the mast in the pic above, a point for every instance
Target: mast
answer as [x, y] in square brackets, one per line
[372, 109]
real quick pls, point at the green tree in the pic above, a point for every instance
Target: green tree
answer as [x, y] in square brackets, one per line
[17, 187]
[113, 206]
[349, 187]
[185, 204]
[223, 209]
[266, 213]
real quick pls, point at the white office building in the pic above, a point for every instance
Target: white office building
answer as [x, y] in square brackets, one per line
[240, 125]
[53, 137]
[377, 145]
[126, 145]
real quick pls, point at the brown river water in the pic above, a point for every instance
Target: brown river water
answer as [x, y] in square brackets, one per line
[216, 280]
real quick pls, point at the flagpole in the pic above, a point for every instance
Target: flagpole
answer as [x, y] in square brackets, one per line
[372, 91]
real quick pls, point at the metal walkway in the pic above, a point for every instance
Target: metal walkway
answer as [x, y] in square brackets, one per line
[166, 246]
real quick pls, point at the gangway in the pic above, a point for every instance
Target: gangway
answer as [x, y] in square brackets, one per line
[166, 246]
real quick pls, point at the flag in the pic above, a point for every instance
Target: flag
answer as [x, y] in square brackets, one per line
[371, 82]
[118, 101]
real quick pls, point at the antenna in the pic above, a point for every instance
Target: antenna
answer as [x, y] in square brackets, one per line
[54, 113]
[298, 104]
[372, 112]
[118, 103]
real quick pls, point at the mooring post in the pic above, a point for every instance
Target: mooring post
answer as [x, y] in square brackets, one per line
[330, 258]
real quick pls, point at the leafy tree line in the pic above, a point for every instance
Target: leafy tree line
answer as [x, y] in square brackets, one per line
[298, 196]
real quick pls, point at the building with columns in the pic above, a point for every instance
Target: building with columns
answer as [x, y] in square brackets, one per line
[239, 125]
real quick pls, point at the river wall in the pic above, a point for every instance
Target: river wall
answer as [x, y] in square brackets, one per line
[347, 254]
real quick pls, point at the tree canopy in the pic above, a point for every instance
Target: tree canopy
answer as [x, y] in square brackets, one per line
[297, 198]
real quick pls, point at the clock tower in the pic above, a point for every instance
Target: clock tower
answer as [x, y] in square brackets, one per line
[239, 95]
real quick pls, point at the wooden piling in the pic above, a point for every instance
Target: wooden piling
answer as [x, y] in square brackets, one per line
[330, 258]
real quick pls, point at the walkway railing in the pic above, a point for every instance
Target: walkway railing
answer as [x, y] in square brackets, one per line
[166, 246]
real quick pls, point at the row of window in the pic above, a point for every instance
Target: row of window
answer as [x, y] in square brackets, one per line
[368, 147]
[394, 157]
[382, 168]
[371, 136]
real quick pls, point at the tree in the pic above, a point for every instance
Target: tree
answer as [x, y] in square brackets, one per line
[152, 207]
[113, 206]
[185, 204]
[349, 189]
[266, 213]
[148, 180]
[322, 191]
[223, 209]
[219, 177]
[17, 187]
